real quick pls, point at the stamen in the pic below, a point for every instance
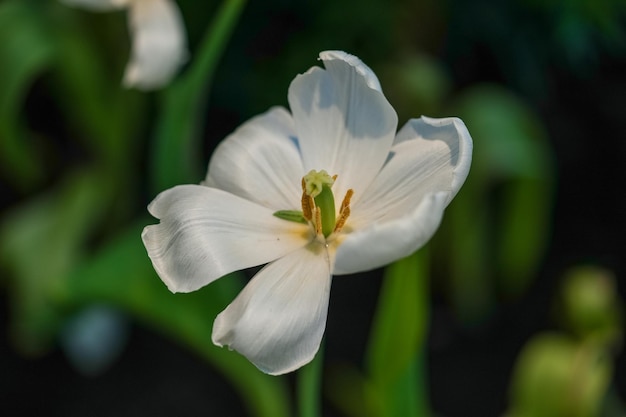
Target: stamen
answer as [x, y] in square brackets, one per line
[343, 216]
[346, 200]
[344, 211]
[318, 221]
[307, 206]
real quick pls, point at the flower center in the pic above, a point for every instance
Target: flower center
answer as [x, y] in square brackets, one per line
[318, 204]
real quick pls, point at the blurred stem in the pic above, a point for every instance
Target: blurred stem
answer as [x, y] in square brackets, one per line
[176, 154]
[413, 387]
[395, 354]
[309, 386]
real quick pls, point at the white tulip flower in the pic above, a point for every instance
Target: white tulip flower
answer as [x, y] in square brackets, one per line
[270, 198]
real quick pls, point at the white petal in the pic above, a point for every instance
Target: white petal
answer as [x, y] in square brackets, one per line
[453, 132]
[356, 63]
[344, 123]
[260, 162]
[159, 45]
[384, 242]
[403, 206]
[206, 233]
[427, 165]
[278, 319]
[430, 155]
[97, 5]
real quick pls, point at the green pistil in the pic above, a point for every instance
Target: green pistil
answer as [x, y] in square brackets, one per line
[326, 203]
[315, 180]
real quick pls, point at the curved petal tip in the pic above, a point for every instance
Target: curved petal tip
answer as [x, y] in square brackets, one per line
[453, 131]
[361, 68]
[159, 45]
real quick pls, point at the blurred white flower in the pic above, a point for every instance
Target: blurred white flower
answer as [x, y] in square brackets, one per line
[269, 198]
[159, 46]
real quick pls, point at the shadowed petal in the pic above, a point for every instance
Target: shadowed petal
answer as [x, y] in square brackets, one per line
[404, 205]
[430, 155]
[451, 131]
[384, 242]
[159, 45]
[260, 162]
[344, 123]
[206, 233]
[278, 319]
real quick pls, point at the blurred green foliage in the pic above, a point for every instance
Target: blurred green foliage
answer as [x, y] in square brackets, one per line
[20, 30]
[558, 377]
[47, 241]
[569, 373]
[500, 222]
[71, 238]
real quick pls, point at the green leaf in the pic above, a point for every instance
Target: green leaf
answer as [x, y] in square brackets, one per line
[175, 158]
[26, 51]
[396, 345]
[121, 274]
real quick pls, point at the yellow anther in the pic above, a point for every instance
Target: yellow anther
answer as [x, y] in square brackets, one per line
[344, 211]
[318, 221]
[346, 201]
[341, 221]
[308, 205]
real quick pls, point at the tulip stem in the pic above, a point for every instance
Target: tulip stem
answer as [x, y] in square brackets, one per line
[182, 105]
[309, 386]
